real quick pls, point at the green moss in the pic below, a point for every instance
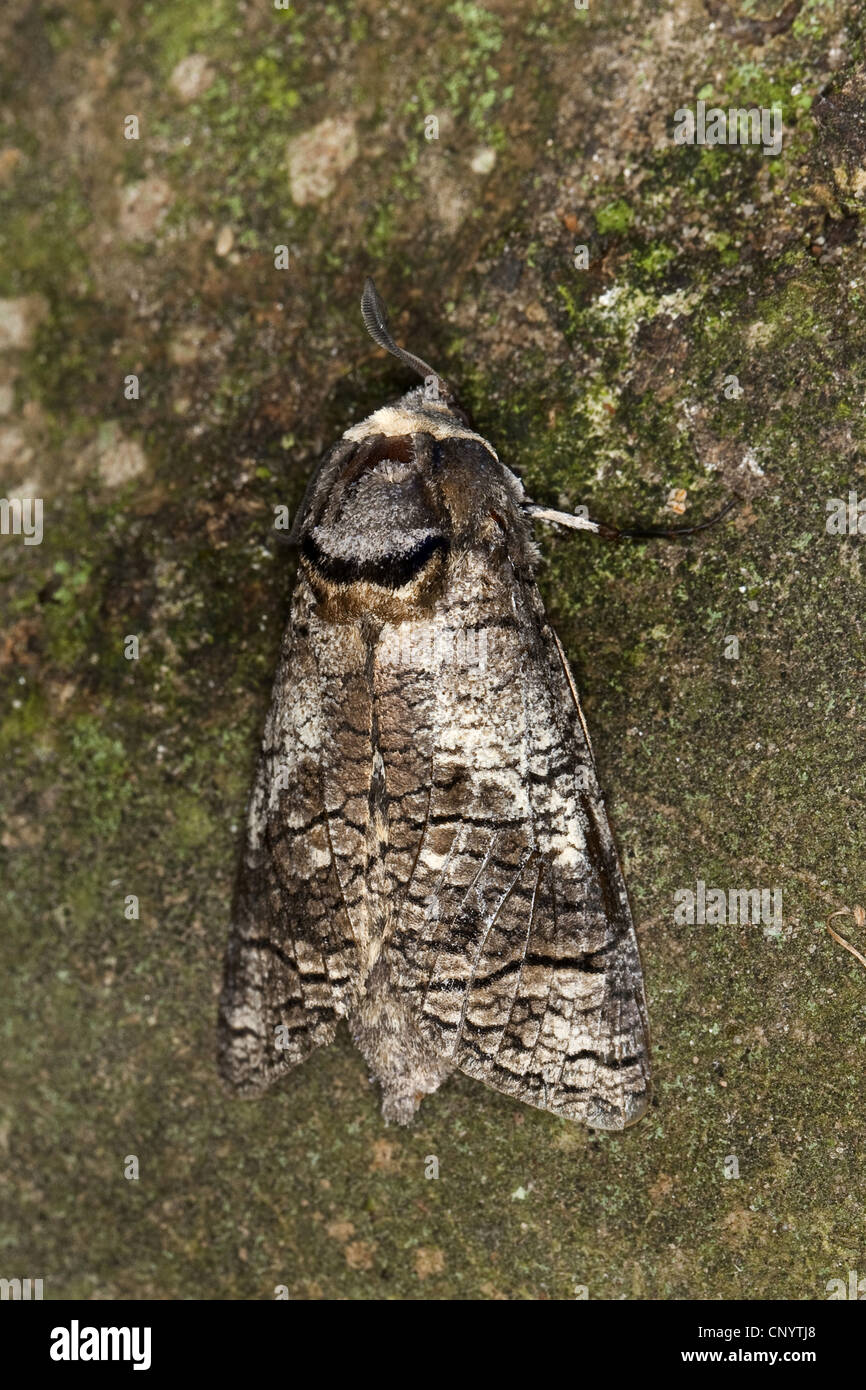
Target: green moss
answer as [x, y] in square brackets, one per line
[270, 85]
[39, 236]
[196, 26]
[614, 219]
[654, 259]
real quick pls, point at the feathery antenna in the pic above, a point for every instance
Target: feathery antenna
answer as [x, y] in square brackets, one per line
[632, 533]
[376, 322]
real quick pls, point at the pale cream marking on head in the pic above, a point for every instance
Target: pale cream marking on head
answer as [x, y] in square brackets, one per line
[432, 417]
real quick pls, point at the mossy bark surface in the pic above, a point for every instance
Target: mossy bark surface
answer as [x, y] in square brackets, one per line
[710, 340]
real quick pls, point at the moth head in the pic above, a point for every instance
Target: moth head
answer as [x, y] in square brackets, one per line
[480, 496]
[404, 494]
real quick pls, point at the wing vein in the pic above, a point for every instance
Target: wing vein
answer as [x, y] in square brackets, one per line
[516, 994]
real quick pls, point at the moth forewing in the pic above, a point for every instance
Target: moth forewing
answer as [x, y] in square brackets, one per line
[428, 852]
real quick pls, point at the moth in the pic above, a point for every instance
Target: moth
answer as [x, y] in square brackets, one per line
[428, 854]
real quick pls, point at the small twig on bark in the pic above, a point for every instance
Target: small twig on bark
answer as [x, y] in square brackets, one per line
[843, 911]
[750, 30]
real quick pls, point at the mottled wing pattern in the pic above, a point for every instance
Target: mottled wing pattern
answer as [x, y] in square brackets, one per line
[513, 934]
[292, 963]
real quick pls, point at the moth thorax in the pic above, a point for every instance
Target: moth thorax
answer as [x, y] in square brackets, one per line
[382, 530]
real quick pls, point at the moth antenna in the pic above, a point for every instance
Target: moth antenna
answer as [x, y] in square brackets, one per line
[576, 523]
[632, 533]
[376, 322]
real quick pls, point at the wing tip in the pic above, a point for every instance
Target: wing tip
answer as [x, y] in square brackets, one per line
[603, 1115]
